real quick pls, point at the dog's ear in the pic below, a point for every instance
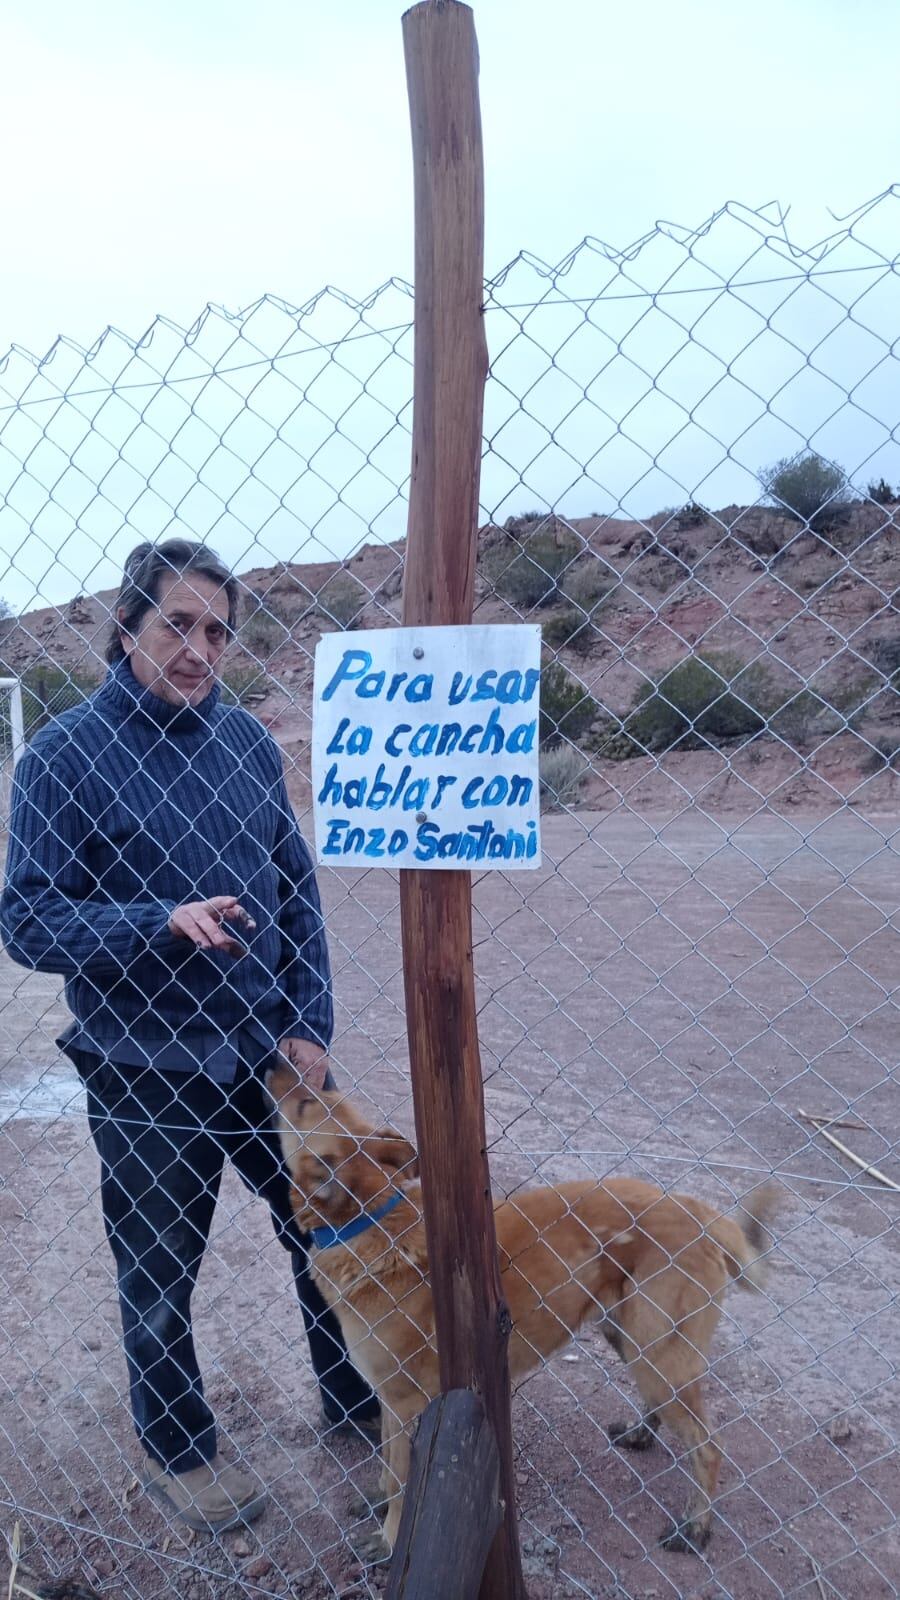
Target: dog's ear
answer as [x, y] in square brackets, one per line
[315, 1078]
[282, 1081]
[392, 1151]
[285, 1084]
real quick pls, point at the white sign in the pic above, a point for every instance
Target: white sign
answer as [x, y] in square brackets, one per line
[425, 747]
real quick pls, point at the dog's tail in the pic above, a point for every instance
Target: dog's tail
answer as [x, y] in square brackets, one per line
[746, 1237]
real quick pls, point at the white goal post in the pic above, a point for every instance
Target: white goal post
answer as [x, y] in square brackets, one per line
[16, 722]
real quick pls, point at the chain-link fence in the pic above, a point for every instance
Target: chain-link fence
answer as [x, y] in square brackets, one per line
[689, 456]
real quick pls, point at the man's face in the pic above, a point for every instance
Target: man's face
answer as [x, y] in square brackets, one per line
[179, 644]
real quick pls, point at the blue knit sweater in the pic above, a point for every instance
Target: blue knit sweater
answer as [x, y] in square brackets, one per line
[127, 807]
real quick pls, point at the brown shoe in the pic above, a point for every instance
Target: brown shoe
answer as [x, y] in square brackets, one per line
[214, 1496]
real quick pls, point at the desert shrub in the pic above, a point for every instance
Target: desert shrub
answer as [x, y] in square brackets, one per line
[588, 584]
[884, 655]
[284, 605]
[263, 633]
[689, 516]
[569, 630]
[563, 771]
[567, 710]
[525, 570]
[239, 682]
[803, 580]
[803, 719]
[806, 486]
[610, 742]
[801, 714]
[516, 524]
[884, 753]
[760, 533]
[850, 694]
[523, 583]
[692, 706]
[342, 599]
[881, 492]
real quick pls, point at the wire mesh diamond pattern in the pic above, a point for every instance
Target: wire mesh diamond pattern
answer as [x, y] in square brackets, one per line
[689, 452]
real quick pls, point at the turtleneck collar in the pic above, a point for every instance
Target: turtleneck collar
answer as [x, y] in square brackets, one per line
[122, 693]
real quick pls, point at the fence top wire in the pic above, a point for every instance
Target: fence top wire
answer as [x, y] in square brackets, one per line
[622, 412]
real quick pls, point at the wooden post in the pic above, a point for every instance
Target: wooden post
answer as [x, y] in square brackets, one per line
[451, 1507]
[471, 1318]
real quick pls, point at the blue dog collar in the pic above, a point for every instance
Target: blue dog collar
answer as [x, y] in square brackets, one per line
[324, 1238]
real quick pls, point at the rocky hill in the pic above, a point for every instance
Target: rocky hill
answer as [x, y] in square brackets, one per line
[798, 629]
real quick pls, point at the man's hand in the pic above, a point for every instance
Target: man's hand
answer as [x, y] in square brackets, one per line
[308, 1059]
[201, 920]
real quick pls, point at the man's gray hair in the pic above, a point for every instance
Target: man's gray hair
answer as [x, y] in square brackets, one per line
[144, 571]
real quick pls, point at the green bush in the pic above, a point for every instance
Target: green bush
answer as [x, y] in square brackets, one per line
[563, 771]
[803, 719]
[691, 706]
[849, 695]
[263, 633]
[805, 716]
[516, 524]
[284, 605]
[881, 492]
[588, 584]
[808, 487]
[884, 655]
[690, 516]
[343, 599]
[569, 630]
[525, 570]
[239, 683]
[884, 753]
[567, 710]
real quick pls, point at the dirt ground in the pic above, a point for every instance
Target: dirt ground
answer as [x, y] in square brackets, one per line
[661, 998]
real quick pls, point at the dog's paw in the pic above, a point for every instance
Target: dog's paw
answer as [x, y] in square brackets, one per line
[686, 1538]
[367, 1503]
[372, 1549]
[632, 1436]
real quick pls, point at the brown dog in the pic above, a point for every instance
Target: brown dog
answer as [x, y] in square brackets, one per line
[651, 1267]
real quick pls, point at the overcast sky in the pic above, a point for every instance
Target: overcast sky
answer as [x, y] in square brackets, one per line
[161, 158]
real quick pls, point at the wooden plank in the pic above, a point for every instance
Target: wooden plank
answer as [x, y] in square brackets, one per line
[436, 907]
[452, 1506]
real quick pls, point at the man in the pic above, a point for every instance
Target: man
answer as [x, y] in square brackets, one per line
[155, 862]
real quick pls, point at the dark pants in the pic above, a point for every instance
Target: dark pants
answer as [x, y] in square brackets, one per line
[162, 1139]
